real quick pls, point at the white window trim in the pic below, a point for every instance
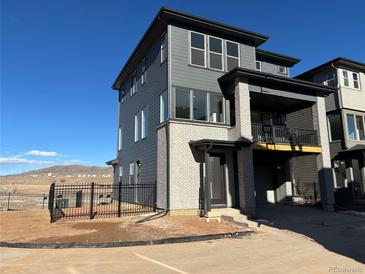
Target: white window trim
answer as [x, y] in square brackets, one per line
[221, 54]
[353, 81]
[162, 109]
[120, 138]
[357, 135]
[286, 70]
[134, 83]
[258, 62]
[330, 79]
[122, 99]
[137, 127]
[144, 134]
[205, 50]
[163, 46]
[343, 78]
[120, 171]
[227, 55]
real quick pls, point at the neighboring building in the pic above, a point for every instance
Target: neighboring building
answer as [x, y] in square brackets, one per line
[217, 122]
[346, 120]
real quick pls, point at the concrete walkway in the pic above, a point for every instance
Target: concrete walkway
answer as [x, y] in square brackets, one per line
[341, 233]
[270, 251]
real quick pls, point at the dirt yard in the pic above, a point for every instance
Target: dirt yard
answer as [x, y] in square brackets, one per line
[34, 227]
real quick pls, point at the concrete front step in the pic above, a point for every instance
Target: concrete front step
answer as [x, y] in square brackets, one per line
[218, 212]
[231, 215]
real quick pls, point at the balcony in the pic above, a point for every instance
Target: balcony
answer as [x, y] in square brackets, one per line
[271, 134]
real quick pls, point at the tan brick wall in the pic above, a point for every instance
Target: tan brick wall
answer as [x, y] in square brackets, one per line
[184, 170]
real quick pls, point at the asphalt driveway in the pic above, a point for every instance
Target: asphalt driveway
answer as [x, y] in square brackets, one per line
[338, 232]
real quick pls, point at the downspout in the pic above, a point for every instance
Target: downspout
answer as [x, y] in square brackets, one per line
[206, 188]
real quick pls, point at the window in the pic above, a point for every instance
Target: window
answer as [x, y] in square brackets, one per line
[197, 49]
[233, 57]
[163, 47]
[120, 172]
[144, 130]
[335, 127]
[360, 127]
[355, 79]
[216, 108]
[330, 79]
[182, 103]
[122, 99]
[163, 107]
[143, 72]
[351, 127]
[345, 75]
[134, 83]
[258, 65]
[215, 53]
[137, 127]
[199, 105]
[283, 70]
[131, 173]
[120, 138]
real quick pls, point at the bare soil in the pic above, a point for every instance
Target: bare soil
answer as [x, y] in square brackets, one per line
[35, 227]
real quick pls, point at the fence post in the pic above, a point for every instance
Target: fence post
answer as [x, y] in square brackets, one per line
[8, 201]
[51, 201]
[315, 191]
[92, 200]
[119, 198]
[44, 198]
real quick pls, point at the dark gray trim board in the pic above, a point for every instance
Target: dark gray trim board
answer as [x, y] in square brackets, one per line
[273, 81]
[280, 58]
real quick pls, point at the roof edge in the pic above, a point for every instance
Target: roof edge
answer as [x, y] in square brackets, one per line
[290, 61]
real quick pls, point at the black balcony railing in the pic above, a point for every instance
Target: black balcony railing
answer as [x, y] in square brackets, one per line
[282, 135]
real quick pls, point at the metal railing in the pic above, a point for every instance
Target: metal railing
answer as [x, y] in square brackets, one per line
[283, 135]
[22, 201]
[75, 201]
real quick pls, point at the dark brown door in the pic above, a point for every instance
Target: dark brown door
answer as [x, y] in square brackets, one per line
[217, 180]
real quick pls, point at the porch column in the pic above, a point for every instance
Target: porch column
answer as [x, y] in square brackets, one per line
[246, 184]
[324, 158]
[362, 170]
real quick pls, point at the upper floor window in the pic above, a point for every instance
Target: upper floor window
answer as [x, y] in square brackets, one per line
[330, 79]
[120, 138]
[283, 70]
[134, 83]
[143, 72]
[215, 53]
[258, 65]
[345, 75]
[233, 57]
[122, 96]
[355, 127]
[163, 107]
[144, 117]
[199, 105]
[197, 49]
[335, 127]
[163, 47]
[137, 127]
[120, 172]
[355, 80]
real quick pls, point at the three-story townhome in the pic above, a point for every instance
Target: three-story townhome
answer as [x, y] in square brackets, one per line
[346, 120]
[217, 122]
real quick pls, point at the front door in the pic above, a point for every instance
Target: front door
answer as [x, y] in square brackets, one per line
[217, 180]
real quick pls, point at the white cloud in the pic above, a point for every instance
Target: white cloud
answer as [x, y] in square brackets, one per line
[12, 161]
[42, 153]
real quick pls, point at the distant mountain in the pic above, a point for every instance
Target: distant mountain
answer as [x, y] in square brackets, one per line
[66, 170]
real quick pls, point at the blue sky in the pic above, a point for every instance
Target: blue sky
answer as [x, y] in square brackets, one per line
[59, 59]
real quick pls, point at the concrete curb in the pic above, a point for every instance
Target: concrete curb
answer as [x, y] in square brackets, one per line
[132, 243]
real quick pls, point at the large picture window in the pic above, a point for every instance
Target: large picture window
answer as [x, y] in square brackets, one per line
[197, 49]
[351, 127]
[199, 105]
[182, 103]
[233, 57]
[216, 109]
[215, 53]
[360, 127]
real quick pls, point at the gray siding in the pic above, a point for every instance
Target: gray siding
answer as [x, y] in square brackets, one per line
[185, 75]
[332, 101]
[147, 95]
[300, 119]
[336, 147]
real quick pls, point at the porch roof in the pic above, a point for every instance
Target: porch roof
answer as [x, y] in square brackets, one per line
[263, 79]
[112, 162]
[222, 144]
[356, 151]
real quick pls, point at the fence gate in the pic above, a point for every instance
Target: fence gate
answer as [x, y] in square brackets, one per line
[77, 201]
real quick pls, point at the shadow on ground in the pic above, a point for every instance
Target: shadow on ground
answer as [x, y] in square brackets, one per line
[341, 233]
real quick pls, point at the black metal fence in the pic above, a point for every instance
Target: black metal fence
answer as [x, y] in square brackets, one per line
[77, 201]
[284, 135]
